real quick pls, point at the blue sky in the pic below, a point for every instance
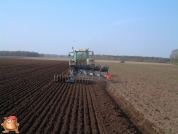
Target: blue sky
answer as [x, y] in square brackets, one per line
[110, 27]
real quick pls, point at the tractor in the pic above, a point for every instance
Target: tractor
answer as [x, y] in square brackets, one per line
[82, 68]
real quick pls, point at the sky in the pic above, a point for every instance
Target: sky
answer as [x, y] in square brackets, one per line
[109, 27]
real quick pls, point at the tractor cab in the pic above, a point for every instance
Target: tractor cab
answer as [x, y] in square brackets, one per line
[81, 57]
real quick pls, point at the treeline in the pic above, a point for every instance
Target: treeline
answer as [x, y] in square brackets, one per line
[28, 54]
[132, 58]
[19, 53]
[174, 56]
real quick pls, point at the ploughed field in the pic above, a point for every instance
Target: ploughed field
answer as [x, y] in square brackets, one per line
[27, 91]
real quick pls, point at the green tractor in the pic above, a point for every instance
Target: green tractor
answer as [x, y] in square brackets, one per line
[82, 68]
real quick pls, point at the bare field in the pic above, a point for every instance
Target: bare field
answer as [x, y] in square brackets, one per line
[27, 90]
[146, 97]
[151, 90]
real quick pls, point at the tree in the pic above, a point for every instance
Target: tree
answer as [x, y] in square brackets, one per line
[174, 56]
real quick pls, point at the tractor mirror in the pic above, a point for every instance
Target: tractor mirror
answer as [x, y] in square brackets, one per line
[69, 55]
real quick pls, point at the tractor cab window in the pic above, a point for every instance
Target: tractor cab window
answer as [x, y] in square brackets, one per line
[81, 55]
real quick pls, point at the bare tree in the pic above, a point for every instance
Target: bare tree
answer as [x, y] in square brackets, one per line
[174, 56]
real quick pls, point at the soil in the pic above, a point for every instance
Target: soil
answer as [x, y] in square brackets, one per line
[27, 91]
[150, 92]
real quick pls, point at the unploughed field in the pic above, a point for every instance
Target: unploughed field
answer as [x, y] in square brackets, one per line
[149, 90]
[27, 91]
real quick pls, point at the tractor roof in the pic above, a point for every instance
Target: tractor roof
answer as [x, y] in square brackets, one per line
[81, 50]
